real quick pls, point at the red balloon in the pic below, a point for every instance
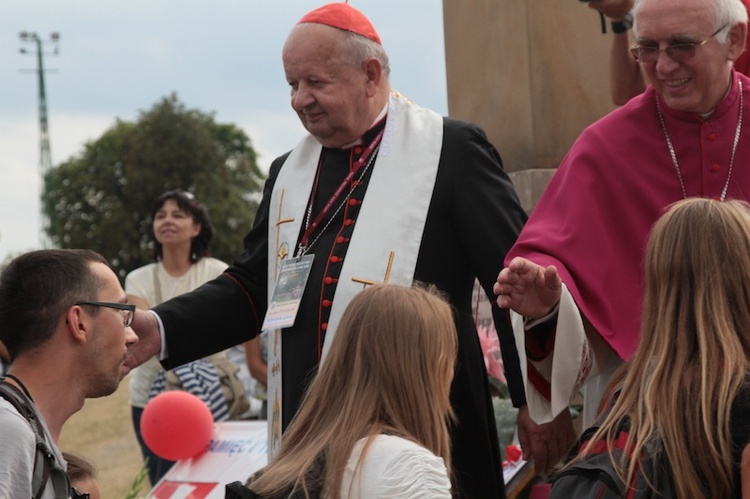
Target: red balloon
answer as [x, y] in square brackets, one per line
[177, 425]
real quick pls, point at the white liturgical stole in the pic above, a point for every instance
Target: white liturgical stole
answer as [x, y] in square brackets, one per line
[388, 232]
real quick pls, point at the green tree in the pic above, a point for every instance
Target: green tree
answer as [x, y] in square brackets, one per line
[101, 198]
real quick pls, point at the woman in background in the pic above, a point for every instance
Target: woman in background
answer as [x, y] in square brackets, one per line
[685, 391]
[182, 232]
[374, 421]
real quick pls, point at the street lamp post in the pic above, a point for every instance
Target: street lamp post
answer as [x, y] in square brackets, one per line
[45, 154]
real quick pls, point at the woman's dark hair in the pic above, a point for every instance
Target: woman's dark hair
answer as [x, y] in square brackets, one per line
[187, 203]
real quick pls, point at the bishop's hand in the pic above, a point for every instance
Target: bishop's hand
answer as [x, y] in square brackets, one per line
[527, 288]
[547, 443]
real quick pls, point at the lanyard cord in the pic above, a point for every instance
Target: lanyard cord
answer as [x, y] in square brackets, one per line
[302, 249]
[369, 157]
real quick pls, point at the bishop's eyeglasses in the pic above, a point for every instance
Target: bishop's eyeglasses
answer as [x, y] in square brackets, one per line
[677, 51]
[128, 309]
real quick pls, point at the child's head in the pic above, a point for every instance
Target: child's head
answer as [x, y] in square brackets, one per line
[698, 281]
[389, 370]
[396, 348]
[400, 340]
[82, 475]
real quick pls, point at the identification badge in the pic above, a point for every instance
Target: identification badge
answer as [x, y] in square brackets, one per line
[287, 294]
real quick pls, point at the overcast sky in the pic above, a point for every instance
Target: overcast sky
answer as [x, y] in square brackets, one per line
[119, 57]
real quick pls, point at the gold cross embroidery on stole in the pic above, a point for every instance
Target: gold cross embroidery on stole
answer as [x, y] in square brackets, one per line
[367, 282]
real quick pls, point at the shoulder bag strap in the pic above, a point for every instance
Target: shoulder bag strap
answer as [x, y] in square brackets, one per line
[43, 455]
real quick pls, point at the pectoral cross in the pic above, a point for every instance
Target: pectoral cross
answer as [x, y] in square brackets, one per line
[385, 278]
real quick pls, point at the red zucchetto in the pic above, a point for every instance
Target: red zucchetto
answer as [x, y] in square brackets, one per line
[343, 16]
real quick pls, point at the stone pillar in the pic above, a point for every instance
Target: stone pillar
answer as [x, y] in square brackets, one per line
[532, 73]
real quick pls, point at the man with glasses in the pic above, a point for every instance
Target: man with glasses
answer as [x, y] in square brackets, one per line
[574, 278]
[626, 79]
[66, 324]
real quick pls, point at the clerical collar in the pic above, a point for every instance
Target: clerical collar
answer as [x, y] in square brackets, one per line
[375, 127]
[707, 116]
[727, 104]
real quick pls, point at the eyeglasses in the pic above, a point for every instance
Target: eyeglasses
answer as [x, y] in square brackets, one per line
[128, 308]
[677, 51]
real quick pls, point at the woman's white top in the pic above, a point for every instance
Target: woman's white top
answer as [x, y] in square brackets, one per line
[141, 283]
[395, 468]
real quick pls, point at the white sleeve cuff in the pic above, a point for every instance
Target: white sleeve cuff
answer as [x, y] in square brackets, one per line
[529, 323]
[571, 363]
[164, 352]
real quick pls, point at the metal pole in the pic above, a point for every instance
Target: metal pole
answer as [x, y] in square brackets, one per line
[45, 151]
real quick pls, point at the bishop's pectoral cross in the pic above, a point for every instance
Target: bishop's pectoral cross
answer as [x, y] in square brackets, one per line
[385, 278]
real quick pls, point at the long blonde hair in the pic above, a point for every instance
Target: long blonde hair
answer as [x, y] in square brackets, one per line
[679, 387]
[388, 371]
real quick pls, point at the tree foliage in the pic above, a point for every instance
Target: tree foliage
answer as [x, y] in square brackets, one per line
[101, 198]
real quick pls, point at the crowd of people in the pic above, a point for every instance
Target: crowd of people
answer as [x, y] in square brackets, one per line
[629, 280]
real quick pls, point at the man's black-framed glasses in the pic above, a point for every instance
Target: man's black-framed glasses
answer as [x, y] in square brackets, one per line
[677, 51]
[127, 308]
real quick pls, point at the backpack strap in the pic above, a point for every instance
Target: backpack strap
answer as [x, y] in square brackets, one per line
[44, 457]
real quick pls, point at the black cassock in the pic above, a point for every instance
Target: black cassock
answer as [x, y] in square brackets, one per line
[473, 219]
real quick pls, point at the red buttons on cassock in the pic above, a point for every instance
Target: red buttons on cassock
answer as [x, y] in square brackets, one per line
[330, 280]
[335, 259]
[357, 150]
[715, 167]
[326, 303]
[353, 202]
[342, 240]
[324, 326]
[712, 136]
[348, 222]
